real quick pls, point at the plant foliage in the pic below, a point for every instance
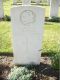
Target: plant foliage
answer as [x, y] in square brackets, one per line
[20, 73]
[55, 61]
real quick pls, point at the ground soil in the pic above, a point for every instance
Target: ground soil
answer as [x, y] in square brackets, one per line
[44, 71]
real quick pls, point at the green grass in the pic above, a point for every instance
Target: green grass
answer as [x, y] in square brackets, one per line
[51, 37]
[7, 7]
[5, 37]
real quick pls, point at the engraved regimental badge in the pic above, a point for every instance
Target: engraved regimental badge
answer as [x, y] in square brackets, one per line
[27, 17]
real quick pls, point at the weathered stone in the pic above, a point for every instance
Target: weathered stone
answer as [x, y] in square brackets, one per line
[1, 9]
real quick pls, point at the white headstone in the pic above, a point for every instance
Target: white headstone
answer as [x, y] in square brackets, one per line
[27, 23]
[48, 2]
[26, 2]
[1, 9]
[37, 1]
[54, 6]
[14, 1]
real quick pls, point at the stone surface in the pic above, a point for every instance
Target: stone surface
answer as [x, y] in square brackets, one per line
[14, 1]
[37, 1]
[54, 6]
[1, 9]
[27, 25]
[26, 2]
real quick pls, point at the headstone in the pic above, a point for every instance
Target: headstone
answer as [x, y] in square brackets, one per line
[48, 2]
[54, 6]
[37, 1]
[26, 2]
[1, 9]
[27, 24]
[14, 1]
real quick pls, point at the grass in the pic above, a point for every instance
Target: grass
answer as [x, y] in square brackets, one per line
[7, 6]
[51, 37]
[5, 37]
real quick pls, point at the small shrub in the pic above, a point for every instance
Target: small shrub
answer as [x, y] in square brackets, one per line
[53, 19]
[7, 18]
[20, 73]
[55, 61]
